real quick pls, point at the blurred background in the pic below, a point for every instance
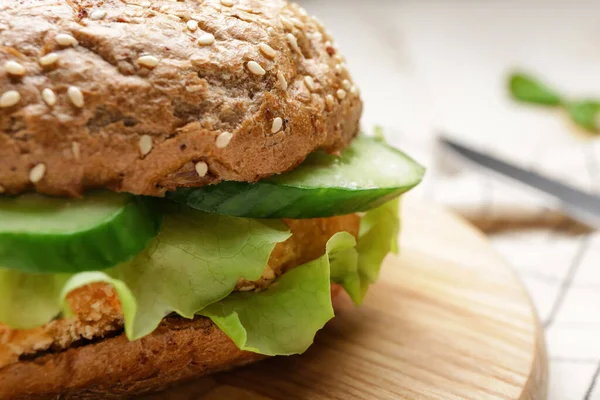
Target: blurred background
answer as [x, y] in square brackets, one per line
[429, 67]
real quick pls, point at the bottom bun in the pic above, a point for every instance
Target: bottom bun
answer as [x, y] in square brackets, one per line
[178, 350]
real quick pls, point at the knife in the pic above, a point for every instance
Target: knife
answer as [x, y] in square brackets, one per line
[582, 206]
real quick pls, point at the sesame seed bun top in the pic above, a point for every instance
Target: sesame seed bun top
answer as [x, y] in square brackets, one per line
[145, 96]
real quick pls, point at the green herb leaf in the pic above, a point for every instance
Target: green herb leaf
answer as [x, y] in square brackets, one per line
[527, 89]
[586, 114]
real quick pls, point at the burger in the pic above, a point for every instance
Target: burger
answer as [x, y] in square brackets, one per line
[183, 190]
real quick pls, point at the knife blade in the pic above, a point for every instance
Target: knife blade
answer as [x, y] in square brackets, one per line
[582, 206]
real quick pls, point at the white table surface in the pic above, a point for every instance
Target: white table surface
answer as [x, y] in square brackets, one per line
[426, 67]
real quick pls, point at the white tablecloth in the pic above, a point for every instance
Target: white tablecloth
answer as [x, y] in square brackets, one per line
[426, 67]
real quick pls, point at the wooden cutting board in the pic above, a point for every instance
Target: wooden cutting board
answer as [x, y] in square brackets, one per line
[448, 320]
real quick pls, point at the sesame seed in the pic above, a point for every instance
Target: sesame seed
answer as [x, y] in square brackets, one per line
[145, 144]
[255, 68]
[206, 39]
[286, 23]
[201, 169]
[2, 190]
[227, 3]
[145, 4]
[65, 39]
[37, 173]
[97, 14]
[277, 125]
[339, 69]
[76, 97]
[9, 99]
[304, 96]
[310, 83]
[346, 84]
[194, 88]
[330, 101]
[245, 16]
[76, 149]
[48, 59]
[283, 85]
[318, 101]
[223, 139]
[293, 42]
[297, 23]
[14, 68]
[341, 94]
[192, 25]
[148, 61]
[267, 50]
[302, 12]
[49, 97]
[354, 90]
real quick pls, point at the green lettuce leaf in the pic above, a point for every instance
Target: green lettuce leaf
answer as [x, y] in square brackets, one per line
[357, 268]
[283, 319]
[343, 262]
[196, 260]
[29, 300]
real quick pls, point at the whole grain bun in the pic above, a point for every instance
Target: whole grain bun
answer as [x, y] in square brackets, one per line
[177, 351]
[133, 95]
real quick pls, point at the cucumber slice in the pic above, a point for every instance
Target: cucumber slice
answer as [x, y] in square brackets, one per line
[52, 235]
[368, 174]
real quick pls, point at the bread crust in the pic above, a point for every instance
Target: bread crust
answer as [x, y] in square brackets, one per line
[178, 350]
[145, 95]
